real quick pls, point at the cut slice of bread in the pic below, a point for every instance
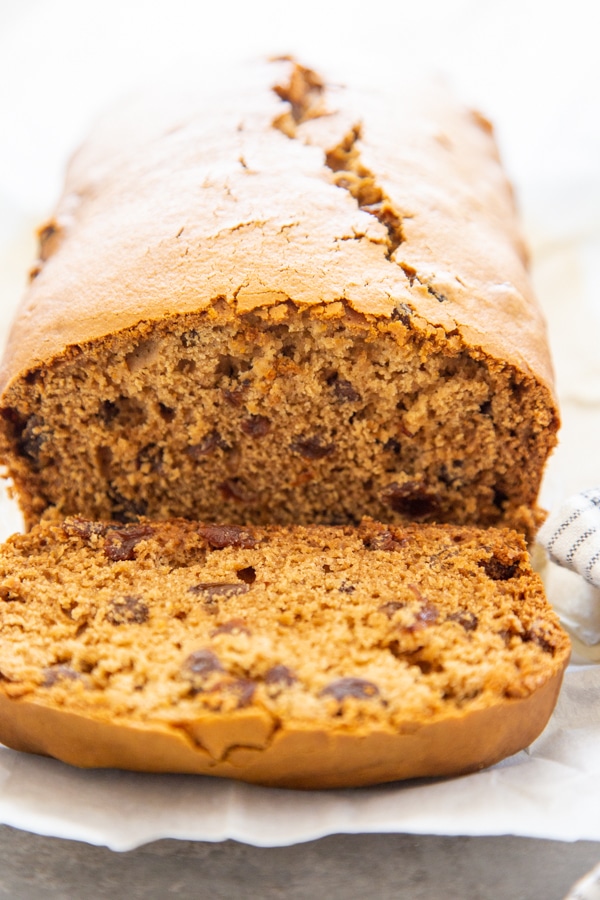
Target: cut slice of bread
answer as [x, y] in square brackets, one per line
[299, 657]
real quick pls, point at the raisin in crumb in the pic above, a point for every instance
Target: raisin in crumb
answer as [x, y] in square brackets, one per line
[312, 447]
[233, 626]
[209, 443]
[76, 526]
[390, 608]
[128, 611]
[120, 543]
[385, 540]
[256, 426]
[54, 674]
[280, 674]
[411, 499]
[220, 536]
[346, 588]
[468, 620]
[202, 662]
[358, 688]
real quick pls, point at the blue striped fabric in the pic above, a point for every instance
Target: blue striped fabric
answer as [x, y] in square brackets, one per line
[571, 535]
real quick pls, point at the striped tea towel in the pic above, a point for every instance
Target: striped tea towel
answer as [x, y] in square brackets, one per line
[571, 535]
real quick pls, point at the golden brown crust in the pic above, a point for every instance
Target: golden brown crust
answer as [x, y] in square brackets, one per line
[291, 757]
[442, 238]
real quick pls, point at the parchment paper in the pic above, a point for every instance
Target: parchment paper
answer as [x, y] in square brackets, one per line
[535, 72]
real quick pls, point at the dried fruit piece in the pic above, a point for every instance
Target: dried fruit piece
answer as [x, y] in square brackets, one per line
[359, 688]
[344, 391]
[203, 662]
[211, 442]
[390, 608]
[468, 620]
[76, 526]
[280, 674]
[244, 689]
[411, 499]
[233, 626]
[312, 447]
[256, 426]
[54, 674]
[385, 540]
[346, 588]
[120, 543]
[221, 536]
[128, 611]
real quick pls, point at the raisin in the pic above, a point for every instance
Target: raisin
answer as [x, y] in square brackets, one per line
[32, 439]
[203, 662]
[427, 615]
[218, 589]
[344, 391]
[234, 489]
[76, 526]
[495, 569]
[486, 408]
[385, 540]
[237, 397]
[221, 536]
[120, 543]
[390, 608]
[411, 499]
[280, 674]
[247, 575]
[211, 442]
[256, 426]
[312, 447]
[346, 588]
[359, 688]
[536, 634]
[468, 620]
[128, 611]
[233, 626]
[54, 674]
[244, 689]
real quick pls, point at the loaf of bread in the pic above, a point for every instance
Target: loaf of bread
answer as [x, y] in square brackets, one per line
[287, 301]
[304, 657]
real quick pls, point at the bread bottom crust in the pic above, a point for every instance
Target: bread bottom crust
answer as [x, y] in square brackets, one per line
[287, 757]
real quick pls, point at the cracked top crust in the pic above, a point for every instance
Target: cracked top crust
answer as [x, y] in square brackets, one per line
[285, 187]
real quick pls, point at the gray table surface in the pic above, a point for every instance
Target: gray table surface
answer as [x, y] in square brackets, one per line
[341, 866]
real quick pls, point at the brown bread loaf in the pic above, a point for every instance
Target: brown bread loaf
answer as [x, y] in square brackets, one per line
[290, 301]
[292, 656]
